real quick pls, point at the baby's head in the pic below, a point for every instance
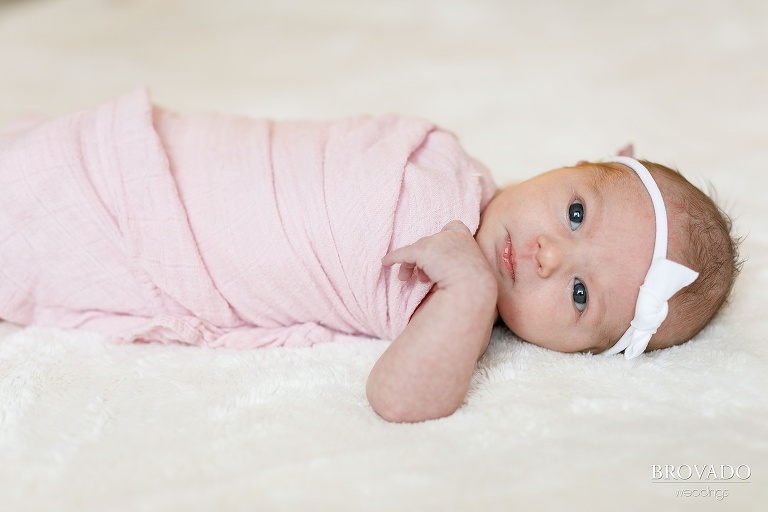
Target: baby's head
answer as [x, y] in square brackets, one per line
[571, 247]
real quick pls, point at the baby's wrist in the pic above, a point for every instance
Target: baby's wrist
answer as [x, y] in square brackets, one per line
[480, 288]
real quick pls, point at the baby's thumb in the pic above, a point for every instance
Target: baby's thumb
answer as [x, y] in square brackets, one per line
[456, 225]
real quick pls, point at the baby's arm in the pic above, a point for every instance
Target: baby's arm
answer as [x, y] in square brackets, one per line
[425, 373]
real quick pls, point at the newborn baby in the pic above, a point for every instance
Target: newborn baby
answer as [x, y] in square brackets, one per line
[225, 231]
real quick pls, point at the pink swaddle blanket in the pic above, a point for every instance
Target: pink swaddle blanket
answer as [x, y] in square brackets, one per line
[222, 231]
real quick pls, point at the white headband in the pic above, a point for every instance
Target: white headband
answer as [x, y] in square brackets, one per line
[664, 278]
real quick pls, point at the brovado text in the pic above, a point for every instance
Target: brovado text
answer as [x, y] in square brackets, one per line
[702, 472]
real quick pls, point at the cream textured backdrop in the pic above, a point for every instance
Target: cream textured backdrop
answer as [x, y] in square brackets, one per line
[527, 86]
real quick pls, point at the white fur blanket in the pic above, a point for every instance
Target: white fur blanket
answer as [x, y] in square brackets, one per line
[91, 426]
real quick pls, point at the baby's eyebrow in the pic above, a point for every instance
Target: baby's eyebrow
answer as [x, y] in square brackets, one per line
[601, 319]
[595, 204]
[597, 300]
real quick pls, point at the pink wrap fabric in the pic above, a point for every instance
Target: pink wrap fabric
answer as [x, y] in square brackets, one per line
[220, 230]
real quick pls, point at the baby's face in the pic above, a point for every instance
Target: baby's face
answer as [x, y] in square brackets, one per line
[569, 255]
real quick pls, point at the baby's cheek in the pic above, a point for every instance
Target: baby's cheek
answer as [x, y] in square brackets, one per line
[531, 318]
[514, 316]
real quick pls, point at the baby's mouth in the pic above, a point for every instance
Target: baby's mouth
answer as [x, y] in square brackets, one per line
[508, 258]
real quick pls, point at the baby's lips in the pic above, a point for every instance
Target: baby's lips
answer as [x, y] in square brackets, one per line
[508, 258]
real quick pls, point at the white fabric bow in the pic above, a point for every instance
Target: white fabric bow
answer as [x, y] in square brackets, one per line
[664, 278]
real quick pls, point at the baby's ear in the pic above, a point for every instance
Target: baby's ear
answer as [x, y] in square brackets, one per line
[628, 150]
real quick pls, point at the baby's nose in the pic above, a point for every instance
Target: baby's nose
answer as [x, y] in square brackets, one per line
[549, 255]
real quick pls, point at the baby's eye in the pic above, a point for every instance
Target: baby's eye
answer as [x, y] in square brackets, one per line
[579, 295]
[576, 214]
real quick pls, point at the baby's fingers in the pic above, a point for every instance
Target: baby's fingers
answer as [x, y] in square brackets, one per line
[405, 272]
[401, 255]
[406, 257]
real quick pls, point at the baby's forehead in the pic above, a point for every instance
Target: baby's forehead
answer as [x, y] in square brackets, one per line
[609, 174]
[622, 241]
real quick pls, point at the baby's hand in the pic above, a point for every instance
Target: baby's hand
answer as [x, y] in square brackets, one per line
[447, 258]
[426, 371]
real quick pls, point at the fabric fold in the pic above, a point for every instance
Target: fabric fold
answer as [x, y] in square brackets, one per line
[221, 230]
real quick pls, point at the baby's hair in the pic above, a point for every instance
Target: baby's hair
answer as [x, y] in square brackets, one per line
[700, 237]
